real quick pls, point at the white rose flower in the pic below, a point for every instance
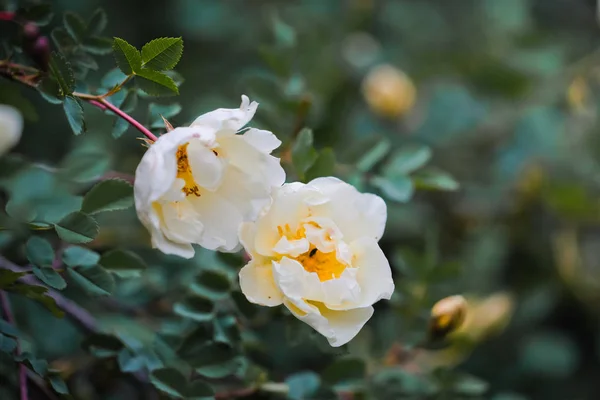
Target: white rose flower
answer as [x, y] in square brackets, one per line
[197, 184]
[11, 127]
[315, 250]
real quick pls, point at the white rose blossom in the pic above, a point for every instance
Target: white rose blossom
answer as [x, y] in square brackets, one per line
[197, 184]
[315, 249]
[11, 127]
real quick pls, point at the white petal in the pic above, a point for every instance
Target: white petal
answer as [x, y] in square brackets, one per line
[264, 141]
[374, 274]
[181, 223]
[11, 127]
[338, 327]
[221, 221]
[240, 189]
[257, 284]
[356, 214]
[231, 119]
[292, 248]
[253, 161]
[160, 242]
[207, 168]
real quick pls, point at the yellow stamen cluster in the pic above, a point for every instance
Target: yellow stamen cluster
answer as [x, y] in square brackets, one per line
[184, 171]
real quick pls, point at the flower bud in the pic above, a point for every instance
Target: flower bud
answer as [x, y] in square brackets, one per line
[30, 32]
[388, 91]
[447, 315]
[41, 52]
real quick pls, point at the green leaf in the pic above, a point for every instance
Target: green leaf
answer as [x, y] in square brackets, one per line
[303, 153]
[302, 385]
[63, 40]
[76, 228]
[108, 195]
[9, 329]
[8, 277]
[123, 263]
[211, 284]
[7, 344]
[373, 156]
[199, 390]
[39, 251]
[169, 381]
[130, 102]
[50, 277]
[343, 371]
[39, 366]
[129, 362]
[74, 112]
[156, 83]
[162, 54]
[214, 359]
[433, 178]
[196, 308]
[85, 164]
[95, 280]
[98, 45]
[120, 126]
[408, 159]
[285, 35]
[38, 293]
[128, 57]
[50, 90]
[75, 26]
[58, 384]
[399, 188]
[97, 23]
[102, 345]
[76, 256]
[165, 110]
[324, 166]
[63, 73]
[470, 385]
[41, 14]
[84, 60]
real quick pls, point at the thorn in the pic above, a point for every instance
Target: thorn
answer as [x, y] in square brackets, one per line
[147, 142]
[167, 124]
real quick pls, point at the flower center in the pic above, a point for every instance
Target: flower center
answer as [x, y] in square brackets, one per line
[184, 171]
[325, 265]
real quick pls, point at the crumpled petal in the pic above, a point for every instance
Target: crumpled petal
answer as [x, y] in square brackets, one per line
[231, 119]
[257, 284]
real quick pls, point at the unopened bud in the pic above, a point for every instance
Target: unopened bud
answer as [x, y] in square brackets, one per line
[31, 32]
[41, 52]
[388, 91]
[447, 315]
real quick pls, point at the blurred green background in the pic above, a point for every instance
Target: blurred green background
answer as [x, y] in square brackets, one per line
[504, 92]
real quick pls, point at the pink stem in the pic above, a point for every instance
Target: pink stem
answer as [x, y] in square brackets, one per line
[11, 320]
[7, 16]
[104, 104]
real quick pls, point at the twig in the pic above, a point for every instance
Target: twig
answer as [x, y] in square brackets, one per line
[22, 369]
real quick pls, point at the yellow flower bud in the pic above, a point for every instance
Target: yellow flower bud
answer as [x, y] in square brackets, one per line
[388, 91]
[447, 315]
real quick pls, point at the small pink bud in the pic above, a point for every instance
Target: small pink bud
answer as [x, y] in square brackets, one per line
[31, 31]
[41, 52]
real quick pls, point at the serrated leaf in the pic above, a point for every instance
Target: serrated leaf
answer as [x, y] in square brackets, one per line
[84, 60]
[95, 280]
[102, 345]
[211, 284]
[127, 56]
[156, 83]
[62, 40]
[112, 78]
[303, 153]
[74, 112]
[407, 160]
[97, 45]
[123, 263]
[50, 90]
[39, 251]
[63, 73]
[196, 308]
[8, 277]
[158, 111]
[108, 195]
[162, 54]
[50, 277]
[75, 26]
[97, 22]
[399, 188]
[76, 256]
[323, 166]
[76, 228]
[169, 381]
